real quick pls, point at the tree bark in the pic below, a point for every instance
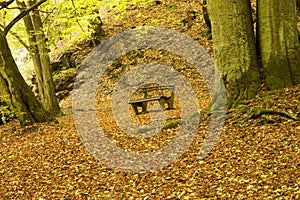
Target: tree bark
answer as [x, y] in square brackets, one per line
[234, 48]
[33, 50]
[278, 43]
[41, 60]
[206, 16]
[15, 90]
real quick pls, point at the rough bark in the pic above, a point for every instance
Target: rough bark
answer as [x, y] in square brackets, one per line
[278, 43]
[234, 48]
[15, 90]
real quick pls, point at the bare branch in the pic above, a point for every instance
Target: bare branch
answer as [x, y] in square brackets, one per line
[48, 14]
[14, 8]
[21, 15]
[4, 4]
[18, 38]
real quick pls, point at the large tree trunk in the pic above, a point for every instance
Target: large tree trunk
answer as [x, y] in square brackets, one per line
[278, 43]
[15, 90]
[33, 50]
[41, 60]
[234, 48]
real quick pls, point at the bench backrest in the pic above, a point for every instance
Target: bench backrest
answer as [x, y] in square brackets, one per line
[148, 91]
[154, 88]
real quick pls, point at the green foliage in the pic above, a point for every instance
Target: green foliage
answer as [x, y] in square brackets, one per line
[6, 113]
[70, 21]
[7, 15]
[67, 22]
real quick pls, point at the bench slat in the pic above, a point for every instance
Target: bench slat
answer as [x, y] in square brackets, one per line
[149, 89]
[145, 100]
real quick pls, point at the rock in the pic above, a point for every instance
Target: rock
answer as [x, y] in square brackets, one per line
[97, 31]
[62, 94]
[62, 62]
[64, 80]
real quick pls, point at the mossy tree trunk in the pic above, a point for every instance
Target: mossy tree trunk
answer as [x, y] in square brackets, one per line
[33, 49]
[278, 62]
[234, 48]
[15, 90]
[278, 43]
[41, 60]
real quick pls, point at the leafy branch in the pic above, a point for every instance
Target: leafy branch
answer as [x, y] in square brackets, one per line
[77, 21]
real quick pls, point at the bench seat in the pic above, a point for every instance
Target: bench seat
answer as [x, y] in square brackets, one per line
[161, 99]
[143, 103]
[145, 100]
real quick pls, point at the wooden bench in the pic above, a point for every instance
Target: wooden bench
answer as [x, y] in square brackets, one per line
[162, 99]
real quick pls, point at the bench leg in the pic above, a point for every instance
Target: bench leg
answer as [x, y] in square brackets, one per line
[171, 100]
[170, 104]
[162, 102]
[135, 108]
[144, 107]
[167, 100]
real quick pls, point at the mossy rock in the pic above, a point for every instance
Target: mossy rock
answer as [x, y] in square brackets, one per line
[65, 79]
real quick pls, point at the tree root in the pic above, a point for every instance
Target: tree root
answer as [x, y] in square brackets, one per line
[257, 112]
[277, 112]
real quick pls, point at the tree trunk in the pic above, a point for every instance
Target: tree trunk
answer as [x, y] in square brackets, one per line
[33, 50]
[234, 48]
[278, 43]
[41, 60]
[15, 90]
[206, 16]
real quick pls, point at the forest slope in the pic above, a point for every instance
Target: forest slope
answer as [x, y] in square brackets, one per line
[256, 156]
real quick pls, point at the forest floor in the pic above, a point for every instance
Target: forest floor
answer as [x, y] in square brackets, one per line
[255, 157]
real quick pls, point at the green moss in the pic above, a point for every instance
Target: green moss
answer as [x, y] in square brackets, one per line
[64, 74]
[172, 124]
[6, 114]
[273, 92]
